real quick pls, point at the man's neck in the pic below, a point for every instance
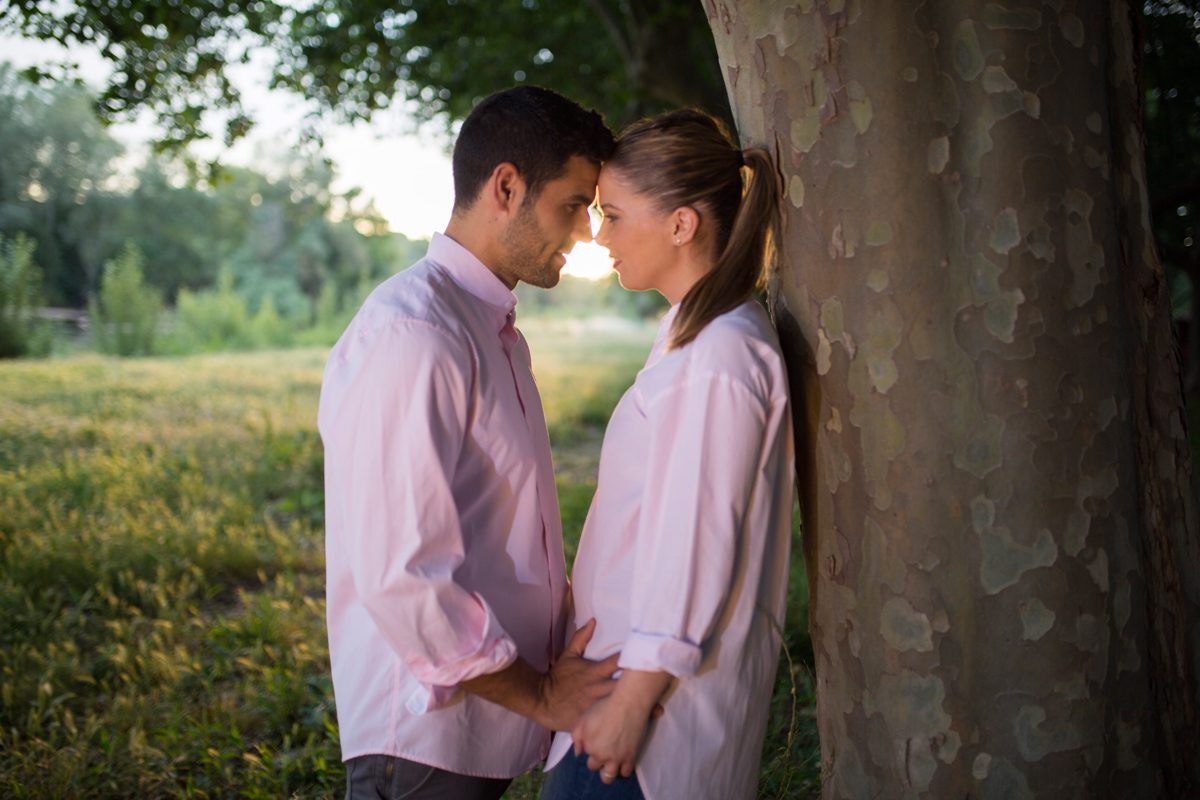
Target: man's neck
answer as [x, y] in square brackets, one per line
[479, 239]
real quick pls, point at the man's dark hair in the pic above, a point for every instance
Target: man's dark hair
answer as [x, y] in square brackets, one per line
[534, 129]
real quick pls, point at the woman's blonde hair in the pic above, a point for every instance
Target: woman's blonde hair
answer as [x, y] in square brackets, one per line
[687, 158]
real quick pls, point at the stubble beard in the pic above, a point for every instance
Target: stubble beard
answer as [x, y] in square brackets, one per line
[524, 242]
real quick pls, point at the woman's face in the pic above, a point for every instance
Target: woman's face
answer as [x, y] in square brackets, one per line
[637, 235]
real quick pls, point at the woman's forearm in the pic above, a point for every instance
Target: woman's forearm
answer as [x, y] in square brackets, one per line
[639, 691]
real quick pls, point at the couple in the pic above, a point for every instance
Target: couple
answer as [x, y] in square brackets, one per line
[449, 610]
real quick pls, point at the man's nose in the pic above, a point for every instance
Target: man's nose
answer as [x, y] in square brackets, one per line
[583, 227]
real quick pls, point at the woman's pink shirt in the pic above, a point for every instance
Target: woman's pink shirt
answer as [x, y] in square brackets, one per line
[684, 556]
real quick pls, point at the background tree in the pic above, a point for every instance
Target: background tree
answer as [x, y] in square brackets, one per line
[177, 226]
[1172, 76]
[995, 467]
[55, 157]
[281, 231]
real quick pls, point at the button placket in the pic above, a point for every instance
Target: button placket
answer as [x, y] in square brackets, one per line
[508, 340]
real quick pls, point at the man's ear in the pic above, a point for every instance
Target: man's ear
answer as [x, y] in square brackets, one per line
[505, 189]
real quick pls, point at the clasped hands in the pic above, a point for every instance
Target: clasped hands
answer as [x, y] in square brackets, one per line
[607, 718]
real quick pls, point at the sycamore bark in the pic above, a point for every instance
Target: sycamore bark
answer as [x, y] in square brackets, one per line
[1000, 538]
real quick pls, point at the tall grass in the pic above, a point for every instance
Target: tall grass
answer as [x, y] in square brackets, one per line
[162, 581]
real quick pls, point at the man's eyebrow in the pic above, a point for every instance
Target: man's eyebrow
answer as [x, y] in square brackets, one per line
[582, 199]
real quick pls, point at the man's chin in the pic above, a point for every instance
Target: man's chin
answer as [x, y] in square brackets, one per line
[545, 280]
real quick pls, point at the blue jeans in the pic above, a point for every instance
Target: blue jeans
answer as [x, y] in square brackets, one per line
[572, 780]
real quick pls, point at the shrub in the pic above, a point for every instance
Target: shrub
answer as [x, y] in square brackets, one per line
[125, 317]
[213, 320]
[330, 316]
[268, 329]
[21, 333]
[327, 308]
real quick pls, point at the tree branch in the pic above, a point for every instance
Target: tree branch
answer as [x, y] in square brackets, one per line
[609, 20]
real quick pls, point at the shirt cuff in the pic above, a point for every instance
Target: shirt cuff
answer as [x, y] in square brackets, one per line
[654, 653]
[439, 684]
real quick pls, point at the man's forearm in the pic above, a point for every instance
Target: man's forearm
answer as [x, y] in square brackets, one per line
[517, 687]
[557, 698]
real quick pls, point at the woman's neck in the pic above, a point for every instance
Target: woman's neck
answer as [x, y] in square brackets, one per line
[687, 273]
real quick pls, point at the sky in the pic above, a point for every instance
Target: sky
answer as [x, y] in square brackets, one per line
[404, 169]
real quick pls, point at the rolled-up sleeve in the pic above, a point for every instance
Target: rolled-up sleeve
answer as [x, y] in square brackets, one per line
[704, 450]
[395, 438]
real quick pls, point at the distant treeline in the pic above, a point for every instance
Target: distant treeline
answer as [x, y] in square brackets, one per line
[280, 232]
[166, 256]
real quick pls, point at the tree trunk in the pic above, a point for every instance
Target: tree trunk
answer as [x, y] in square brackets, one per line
[995, 508]
[1170, 546]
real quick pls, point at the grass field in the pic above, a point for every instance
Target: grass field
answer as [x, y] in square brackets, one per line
[162, 585]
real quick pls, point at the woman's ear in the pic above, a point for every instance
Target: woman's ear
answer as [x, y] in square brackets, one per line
[685, 223]
[505, 189]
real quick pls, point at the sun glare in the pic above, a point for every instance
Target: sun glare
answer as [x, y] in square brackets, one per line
[589, 260]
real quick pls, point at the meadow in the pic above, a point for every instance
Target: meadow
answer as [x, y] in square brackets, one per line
[162, 575]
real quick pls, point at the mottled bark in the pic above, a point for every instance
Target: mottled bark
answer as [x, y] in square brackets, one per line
[973, 393]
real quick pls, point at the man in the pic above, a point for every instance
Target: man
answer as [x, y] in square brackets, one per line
[446, 581]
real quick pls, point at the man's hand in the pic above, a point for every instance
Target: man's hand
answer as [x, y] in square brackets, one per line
[573, 683]
[554, 700]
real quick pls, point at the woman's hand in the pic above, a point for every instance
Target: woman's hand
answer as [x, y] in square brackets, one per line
[611, 735]
[612, 730]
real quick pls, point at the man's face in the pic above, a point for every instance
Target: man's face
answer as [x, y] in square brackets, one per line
[538, 238]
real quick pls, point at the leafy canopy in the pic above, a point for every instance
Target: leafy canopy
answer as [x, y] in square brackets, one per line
[354, 57]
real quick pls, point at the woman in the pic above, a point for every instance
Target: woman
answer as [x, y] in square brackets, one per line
[684, 556]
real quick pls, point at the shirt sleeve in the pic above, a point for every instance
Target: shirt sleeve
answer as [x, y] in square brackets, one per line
[703, 454]
[396, 441]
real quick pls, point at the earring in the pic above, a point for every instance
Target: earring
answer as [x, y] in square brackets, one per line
[676, 242]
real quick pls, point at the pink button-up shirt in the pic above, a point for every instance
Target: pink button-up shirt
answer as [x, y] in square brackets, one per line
[443, 541]
[684, 556]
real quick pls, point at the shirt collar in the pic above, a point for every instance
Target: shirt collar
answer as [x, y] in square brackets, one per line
[664, 326]
[473, 276]
[663, 337]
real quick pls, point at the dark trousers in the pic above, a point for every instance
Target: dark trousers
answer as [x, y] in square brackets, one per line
[572, 780]
[377, 777]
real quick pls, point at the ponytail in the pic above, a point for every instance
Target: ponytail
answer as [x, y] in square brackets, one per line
[742, 265]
